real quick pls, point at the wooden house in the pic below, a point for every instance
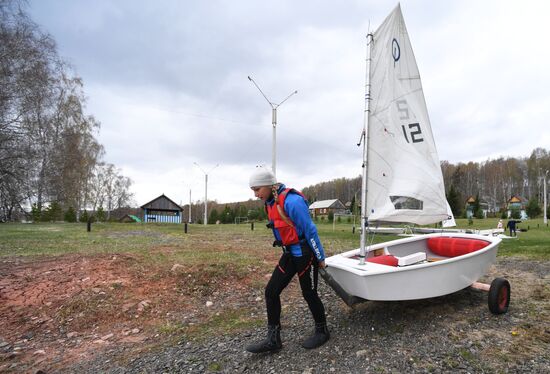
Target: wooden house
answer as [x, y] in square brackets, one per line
[470, 202]
[517, 203]
[325, 207]
[162, 209]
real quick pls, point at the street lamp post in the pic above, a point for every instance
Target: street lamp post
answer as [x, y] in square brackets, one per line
[206, 191]
[274, 107]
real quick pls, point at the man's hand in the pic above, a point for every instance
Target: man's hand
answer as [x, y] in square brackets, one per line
[322, 264]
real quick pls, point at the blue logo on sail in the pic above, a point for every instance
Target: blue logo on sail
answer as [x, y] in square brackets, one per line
[395, 50]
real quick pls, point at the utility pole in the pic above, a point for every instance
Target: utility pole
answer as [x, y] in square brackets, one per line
[206, 191]
[274, 107]
[189, 206]
[545, 203]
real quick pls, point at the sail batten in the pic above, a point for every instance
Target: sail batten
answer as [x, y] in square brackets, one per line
[402, 163]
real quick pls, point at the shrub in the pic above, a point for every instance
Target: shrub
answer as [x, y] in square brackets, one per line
[84, 216]
[214, 216]
[100, 214]
[479, 214]
[52, 213]
[36, 212]
[70, 215]
[533, 209]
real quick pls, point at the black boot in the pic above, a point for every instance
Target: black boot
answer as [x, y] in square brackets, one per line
[271, 343]
[320, 337]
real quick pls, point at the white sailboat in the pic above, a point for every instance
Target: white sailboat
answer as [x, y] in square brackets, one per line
[402, 182]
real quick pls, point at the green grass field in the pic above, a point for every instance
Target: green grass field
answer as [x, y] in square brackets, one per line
[225, 243]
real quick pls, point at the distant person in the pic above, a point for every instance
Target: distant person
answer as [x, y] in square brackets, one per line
[499, 224]
[295, 232]
[511, 224]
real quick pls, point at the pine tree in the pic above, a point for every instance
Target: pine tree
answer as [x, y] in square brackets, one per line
[478, 212]
[53, 212]
[454, 200]
[213, 216]
[36, 212]
[70, 215]
[227, 216]
[533, 209]
[84, 216]
[100, 214]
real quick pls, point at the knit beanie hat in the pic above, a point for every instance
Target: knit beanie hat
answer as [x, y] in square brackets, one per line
[262, 176]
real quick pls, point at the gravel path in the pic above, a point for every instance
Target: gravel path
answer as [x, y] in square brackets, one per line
[454, 333]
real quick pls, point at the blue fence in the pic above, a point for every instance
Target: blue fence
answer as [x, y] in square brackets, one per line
[163, 217]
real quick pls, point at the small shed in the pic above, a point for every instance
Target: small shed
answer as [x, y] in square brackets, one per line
[162, 209]
[129, 218]
[325, 207]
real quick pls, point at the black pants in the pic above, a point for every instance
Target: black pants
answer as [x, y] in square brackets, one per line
[282, 275]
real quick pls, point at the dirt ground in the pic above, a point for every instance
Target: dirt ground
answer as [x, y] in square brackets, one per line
[58, 311]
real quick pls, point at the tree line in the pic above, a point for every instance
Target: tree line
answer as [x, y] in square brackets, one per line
[496, 181]
[50, 159]
[493, 181]
[250, 210]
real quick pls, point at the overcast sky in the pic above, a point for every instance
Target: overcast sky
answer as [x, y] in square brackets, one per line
[168, 82]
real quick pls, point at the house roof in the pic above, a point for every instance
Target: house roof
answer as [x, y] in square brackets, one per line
[132, 217]
[162, 203]
[334, 203]
[516, 199]
[472, 200]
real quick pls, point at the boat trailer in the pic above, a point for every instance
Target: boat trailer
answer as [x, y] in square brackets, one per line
[498, 292]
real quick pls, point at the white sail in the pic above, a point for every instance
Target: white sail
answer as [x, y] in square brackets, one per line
[450, 221]
[405, 183]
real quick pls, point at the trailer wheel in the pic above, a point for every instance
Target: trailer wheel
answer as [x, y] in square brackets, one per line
[499, 296]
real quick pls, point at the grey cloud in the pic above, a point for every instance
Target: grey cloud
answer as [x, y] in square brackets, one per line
[187, 63]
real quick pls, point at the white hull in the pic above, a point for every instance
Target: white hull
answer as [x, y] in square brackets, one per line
[373, 281]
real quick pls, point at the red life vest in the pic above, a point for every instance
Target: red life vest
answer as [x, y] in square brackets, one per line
[281, 222]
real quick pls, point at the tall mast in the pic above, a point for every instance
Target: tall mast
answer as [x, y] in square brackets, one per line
[362, 250]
